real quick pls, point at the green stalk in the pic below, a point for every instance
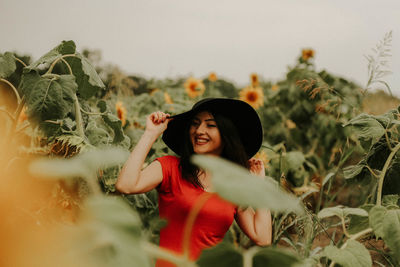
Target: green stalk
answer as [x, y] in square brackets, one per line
[383, 173]
[62, 59]
[248, 256]
[14, 89]
[78, 117]
[162, 253]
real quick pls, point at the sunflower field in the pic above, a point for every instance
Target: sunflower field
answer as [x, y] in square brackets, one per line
[67, 125]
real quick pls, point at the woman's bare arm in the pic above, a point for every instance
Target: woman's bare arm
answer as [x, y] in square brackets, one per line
[257, 225]
[132, 178]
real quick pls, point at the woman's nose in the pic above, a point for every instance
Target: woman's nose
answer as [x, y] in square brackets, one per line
[201, 128]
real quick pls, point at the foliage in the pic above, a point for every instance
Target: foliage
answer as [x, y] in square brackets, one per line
[314, 135]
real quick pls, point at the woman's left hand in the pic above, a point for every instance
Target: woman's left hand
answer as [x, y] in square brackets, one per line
[257, 167]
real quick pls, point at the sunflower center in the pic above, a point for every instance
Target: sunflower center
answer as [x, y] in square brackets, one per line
[119, 111]
[252, 96]
[193, 86]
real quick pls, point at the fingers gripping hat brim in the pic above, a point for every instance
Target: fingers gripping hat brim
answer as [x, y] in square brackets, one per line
[243, 116]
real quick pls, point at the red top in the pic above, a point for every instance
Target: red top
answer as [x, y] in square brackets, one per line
[176, 197]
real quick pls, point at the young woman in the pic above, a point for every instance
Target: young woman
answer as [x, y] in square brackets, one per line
[218, 127]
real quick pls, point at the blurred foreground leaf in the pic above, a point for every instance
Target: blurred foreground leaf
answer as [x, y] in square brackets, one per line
[237, 185]
[82, 165]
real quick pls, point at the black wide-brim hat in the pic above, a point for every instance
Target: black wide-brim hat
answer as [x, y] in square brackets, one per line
[243, 116]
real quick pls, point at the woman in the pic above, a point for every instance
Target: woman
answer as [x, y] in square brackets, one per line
[219, 127]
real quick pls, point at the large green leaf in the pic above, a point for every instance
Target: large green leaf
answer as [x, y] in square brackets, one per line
[89, 82]
[237, 185]
[222, 255]
[110, 234]
[275, 257]
[367, 127]
[66, 47]
[386, 224]
[341, 212]
[354, 255]
[359, 223]
[82, 165]
[7, 64]
[48, 98]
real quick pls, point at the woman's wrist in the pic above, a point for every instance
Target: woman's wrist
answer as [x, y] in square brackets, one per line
[151, 135]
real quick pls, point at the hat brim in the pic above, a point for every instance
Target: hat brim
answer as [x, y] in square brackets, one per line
[243, 116]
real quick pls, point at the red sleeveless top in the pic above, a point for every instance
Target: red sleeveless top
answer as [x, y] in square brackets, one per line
[176, 197]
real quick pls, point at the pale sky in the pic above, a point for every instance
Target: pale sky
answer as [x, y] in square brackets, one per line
[170, 38]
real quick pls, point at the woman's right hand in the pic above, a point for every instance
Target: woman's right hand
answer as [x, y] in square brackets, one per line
[157, 123]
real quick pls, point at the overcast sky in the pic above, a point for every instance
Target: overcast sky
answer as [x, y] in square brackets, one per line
[169, 38]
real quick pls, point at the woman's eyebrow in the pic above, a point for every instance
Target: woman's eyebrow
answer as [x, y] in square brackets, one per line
[210, 119]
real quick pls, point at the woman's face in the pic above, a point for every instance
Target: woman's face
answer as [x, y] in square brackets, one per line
[204, 134]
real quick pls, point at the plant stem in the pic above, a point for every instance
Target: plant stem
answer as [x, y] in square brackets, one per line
[344, 227]
[20, 61]
[202, 199]
[78, 117]
[248, 256]
[383, 173]
[14, 89]
[58, 59]
[93, 113]
[161, 253]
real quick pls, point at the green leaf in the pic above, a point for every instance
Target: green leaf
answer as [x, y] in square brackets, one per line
[354, 255]
[367, 127]
[110, 234]
[341, 212]
[390, 200]
[237, 185]
[48, 98]
[359, 223]
[353, 170]
[82, 165]
[66, 47]
[376, 219]
[113, 122]
[7, 64]
[386, 224]
[222, 255]
[89, 82]
[294, 160]
[274, 257]
[97, 136]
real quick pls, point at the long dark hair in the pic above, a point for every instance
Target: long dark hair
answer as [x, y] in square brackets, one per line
[233, 150]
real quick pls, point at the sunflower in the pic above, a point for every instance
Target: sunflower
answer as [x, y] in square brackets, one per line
[254, 80]
[167, 98]
[212, 77]
[275, 87]
[306, 54]
[121, 112]
[253, 96]
[194, 87]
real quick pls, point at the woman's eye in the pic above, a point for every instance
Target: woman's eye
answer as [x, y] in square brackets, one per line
[212, 125]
